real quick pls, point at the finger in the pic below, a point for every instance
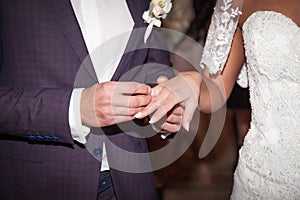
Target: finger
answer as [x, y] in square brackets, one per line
[161, 110]
[177, 110]
[163, 98]
[113, 119]
[188, 114]
[169, 127]
[116, 92]
[133, 88]
[154, 104]
[123, 111]
[174, 119]
[156, 90]
[120, 107]
[139, 101]
[167, 104]
[161, 79]
[131, 101]
[150, 108]
[120, 119]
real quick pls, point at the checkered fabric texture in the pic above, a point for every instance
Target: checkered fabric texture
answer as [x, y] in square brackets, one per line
[41, 51]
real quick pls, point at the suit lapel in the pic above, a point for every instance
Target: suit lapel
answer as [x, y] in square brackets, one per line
[131, 59]
[136, 8]
[66, 19]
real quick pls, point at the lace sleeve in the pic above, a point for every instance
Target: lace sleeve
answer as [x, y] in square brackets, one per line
[219, 38]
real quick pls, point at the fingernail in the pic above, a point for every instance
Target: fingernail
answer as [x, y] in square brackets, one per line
[151, 121]
[187, 126]
[163, 137]
[152, 93]
[138, 115]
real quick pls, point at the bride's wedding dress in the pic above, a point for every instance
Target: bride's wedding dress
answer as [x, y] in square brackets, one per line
[269, 161]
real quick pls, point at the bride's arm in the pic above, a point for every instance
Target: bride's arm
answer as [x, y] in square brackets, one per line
[192, 90]
[216, 89]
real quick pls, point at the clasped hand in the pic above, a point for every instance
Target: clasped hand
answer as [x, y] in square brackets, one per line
[109, 103]
[182, 92]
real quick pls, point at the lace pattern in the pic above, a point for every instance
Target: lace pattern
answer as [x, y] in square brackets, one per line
[219, 38]
[269, 162]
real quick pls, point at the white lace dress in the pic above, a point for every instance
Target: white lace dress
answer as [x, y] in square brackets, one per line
[269, 162]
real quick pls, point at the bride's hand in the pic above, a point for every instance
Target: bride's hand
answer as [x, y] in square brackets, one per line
[183, 90]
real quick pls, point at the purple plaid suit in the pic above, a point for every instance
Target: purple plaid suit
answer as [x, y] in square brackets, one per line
[41, 51]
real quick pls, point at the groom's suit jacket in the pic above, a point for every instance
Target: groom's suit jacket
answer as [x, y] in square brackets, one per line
[42, 49]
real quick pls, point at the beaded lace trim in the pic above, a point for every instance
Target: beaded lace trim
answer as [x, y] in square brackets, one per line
[220, 35]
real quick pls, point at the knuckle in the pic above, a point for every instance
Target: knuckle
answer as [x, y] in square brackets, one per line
[131, 111]
[106, 86]
[134, 103]
[104, 111]
[107, 121]
[175, 128]
[103, 102]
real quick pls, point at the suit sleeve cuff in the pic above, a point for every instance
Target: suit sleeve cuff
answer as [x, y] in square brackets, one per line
[78, 131]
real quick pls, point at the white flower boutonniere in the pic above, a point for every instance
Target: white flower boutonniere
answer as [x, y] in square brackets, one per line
[158, 10]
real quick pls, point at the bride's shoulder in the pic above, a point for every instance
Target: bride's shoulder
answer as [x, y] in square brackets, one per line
[248, 7]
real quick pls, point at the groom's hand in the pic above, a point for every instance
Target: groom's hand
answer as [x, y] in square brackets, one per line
[110, 103]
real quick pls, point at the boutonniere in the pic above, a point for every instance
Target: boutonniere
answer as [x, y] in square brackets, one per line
[158, 10]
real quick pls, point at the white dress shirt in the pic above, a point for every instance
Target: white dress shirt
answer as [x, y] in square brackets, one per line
[106, 26]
